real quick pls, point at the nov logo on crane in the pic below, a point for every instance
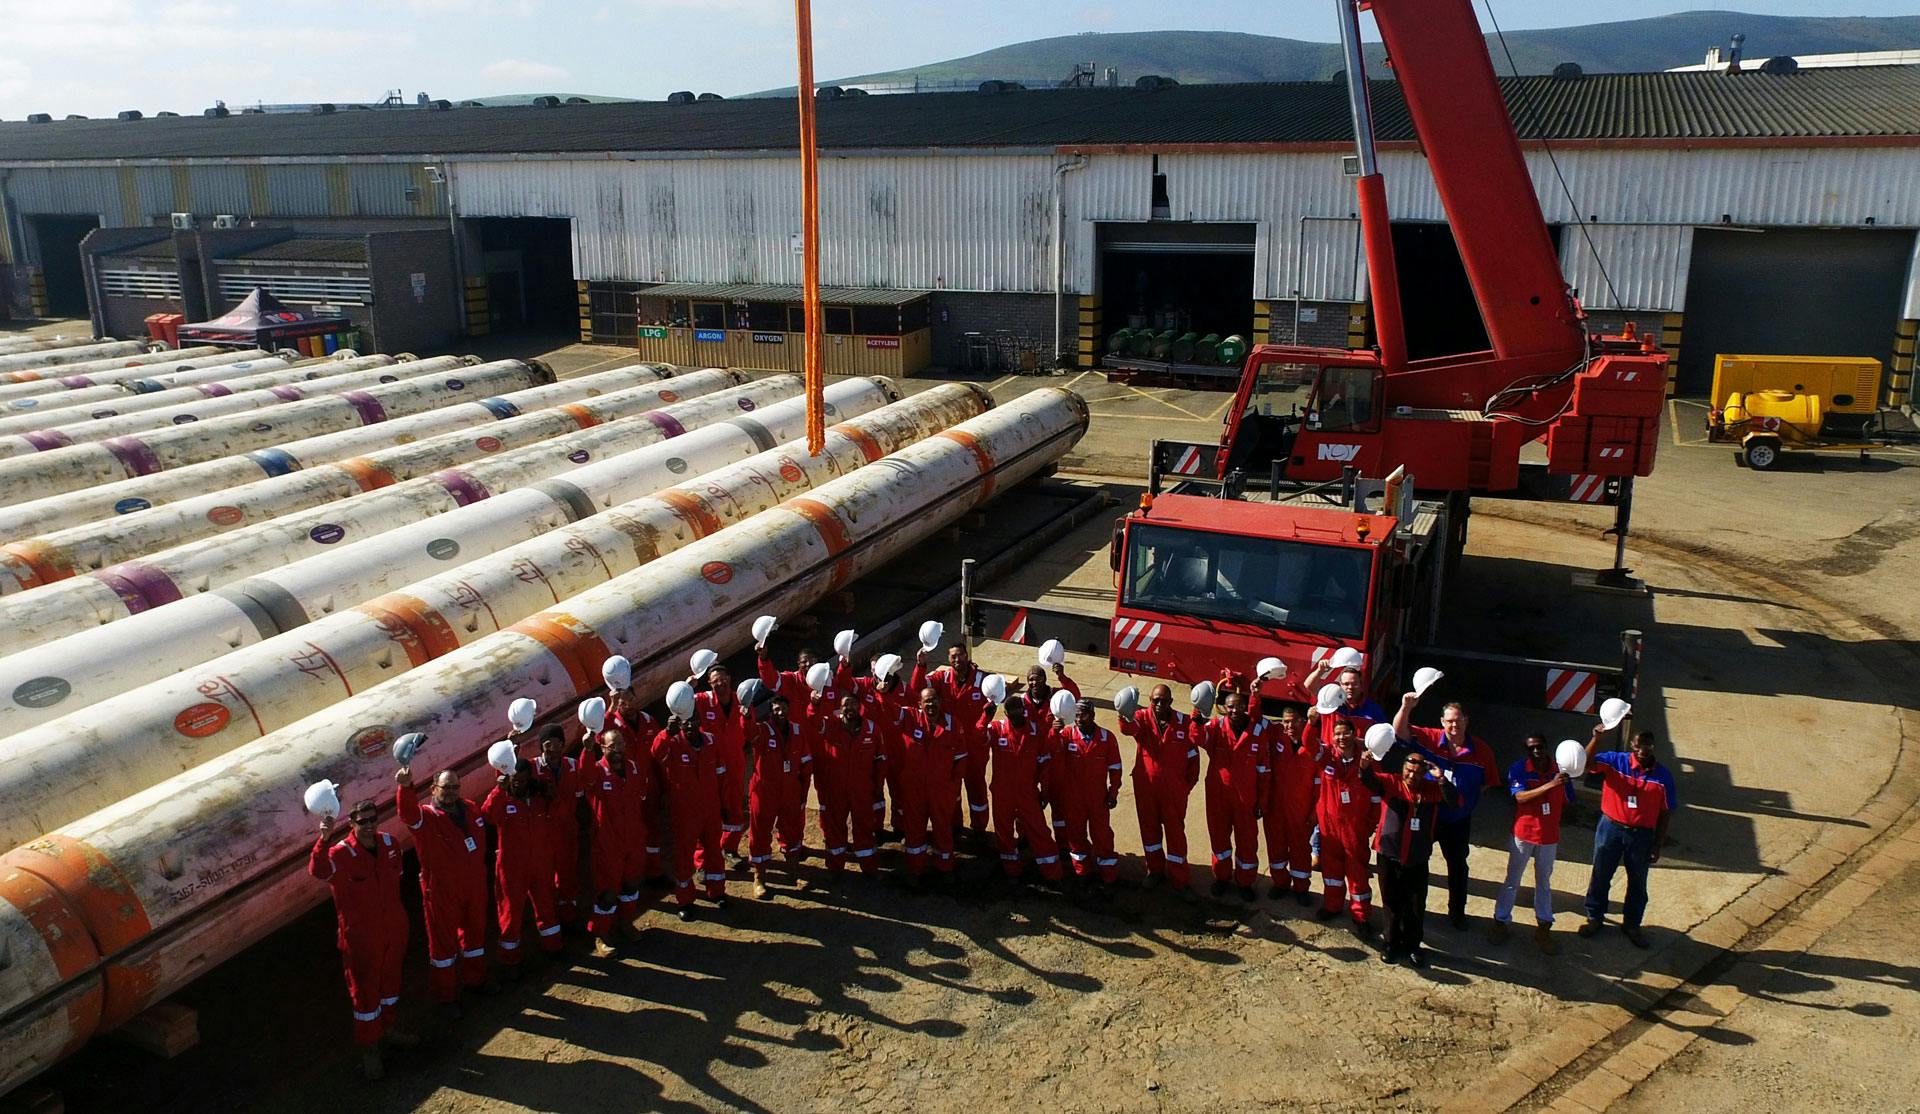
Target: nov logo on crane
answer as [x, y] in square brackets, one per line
[1337, 452]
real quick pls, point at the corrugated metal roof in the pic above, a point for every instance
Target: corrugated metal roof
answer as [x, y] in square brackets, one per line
[1865, 101]
[778, 292]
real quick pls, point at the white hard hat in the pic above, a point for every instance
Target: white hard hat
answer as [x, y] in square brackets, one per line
[1346, 657]
[1612, 711]
[994, 688]
[762, 627]
[323, 798]
[1379, 740]
[1202, 697]
[617, 672]
[1052, 653]
[501, 756]
[520, 713]
[408, 745]
[1062, 705]
[843, 643]
[680, 699]
[1571, 757]
[1424, 679]
[702, 660]
[1330, 699]
[592, 713]
[1270, 667]
[931, 632]
[819, 676]
[885, 666]
[1127, 701]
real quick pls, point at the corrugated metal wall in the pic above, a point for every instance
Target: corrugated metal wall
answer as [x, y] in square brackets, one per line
[141, 195]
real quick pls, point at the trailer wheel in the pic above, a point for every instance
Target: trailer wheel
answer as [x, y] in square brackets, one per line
[1762, 454]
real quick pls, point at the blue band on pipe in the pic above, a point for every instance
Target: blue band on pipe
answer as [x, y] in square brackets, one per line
[274, 462]
[501, 408]
[146, 386]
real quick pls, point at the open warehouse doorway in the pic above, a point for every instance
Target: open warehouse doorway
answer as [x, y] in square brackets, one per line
[1791, 292]
[1176, 275]
[57, 245]
[527, 263]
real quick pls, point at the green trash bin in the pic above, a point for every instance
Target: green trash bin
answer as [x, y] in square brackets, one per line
[1233, 349]
[1182, 350]
[1206, 350]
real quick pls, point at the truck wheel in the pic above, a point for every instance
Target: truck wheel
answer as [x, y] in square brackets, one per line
[1763, 454]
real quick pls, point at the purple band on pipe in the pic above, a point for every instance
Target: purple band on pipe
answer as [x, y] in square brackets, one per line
[369, 407]
[44, 439]
[215, 390]
[141, 587]
[74, 382]
[666, 422]
[288, 393]
[133, 455]
[463, 487]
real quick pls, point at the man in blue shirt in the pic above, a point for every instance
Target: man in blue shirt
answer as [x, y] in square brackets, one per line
[1637, 799]
[1468, 763]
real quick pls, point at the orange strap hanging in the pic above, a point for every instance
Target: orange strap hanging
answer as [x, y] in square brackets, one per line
[810, 235]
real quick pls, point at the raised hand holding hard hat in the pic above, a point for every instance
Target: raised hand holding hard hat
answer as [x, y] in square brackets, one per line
[501, 756]
[520, 714]
[1614, 711]
[885, 666]
[1571, 757]
[1270, 669]
[1062, 706]
[680, 699]
[819, 676]
[1330, 699]
[994, 688]
[1126, 701]
[1052, 654]
[763, 629]
[1202, 697]
[408, 745]
[702, 660]
[323, 799]
[1346, 657]
[1425, 678]
[843, 643]
[617, 672]
[931, 632]
[593, 714]
[1379, 740]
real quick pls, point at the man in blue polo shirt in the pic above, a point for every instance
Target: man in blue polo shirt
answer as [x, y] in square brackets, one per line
[1637, 799]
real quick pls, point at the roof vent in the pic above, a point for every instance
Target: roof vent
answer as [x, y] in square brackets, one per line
[40, 118]
[1154, 81]
[130, 114]
[578, 100]
[1733, 54]
[710, 97]
[218, 112]
[853, 91]
[829, 93]
[253, 112]
[75, 116]
[163, 114]
[546, 102]
[439, 106]
[1780, 64]
[995, 86]
[684, 96]
[323, 109]
[1567, 71]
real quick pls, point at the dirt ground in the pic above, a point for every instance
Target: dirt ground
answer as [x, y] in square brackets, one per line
[1780, 665]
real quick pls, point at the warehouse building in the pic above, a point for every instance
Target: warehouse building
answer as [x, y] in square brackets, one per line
[1007, 229]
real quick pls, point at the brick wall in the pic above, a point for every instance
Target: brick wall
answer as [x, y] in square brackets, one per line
[1027, 319]
[1322, 324]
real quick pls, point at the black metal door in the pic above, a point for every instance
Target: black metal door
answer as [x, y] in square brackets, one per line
[1791, 292]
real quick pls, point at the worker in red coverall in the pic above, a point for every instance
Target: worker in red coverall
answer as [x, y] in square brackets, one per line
[1409, 815]
[849, 759]
[884, 700]
[693, 769]
[718, 716]
[1238, 750]
[1166, 767]
[519, 809]
[1347, 813]
[624, 712]
[363, 871]
[567, 788]
[958, 684]
[933, 750]
[1290, 806]
[782, 755]
[1088, 786]
[803, 703]
[450, 839]
[1035, 697]
[619, 791]
[1022, 755]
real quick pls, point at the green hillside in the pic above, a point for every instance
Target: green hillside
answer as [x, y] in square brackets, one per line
[1658, 43]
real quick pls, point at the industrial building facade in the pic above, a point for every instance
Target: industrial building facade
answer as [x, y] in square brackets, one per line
[1749, 212]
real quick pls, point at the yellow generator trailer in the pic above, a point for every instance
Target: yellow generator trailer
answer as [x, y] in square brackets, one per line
[1773, 404]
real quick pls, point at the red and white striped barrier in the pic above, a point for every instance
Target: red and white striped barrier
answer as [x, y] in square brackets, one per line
[1572, 690]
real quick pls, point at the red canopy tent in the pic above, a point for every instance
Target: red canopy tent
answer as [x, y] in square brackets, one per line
[261, 321]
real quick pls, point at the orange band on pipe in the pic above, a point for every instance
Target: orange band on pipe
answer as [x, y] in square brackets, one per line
[129, 990]
[868, 446]
[92, 885]
[582, 417]
[40, 562]
[60, 927]
[580, 650]
[691, 510]
[83, 1016]
[832, 531]
[420, 630]
[367, 473]
[980, 456]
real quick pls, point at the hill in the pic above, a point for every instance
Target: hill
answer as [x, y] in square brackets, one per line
[1626, 46]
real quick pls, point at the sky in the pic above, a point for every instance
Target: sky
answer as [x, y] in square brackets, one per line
[97, 57]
